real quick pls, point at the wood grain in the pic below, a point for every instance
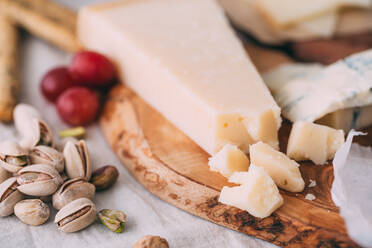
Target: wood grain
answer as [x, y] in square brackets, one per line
[170, 165]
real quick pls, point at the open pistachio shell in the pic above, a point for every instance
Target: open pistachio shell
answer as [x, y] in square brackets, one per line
[9, 196]
[47, 155]
[32, 211]
[4, 174]
[12, 156]
[38, 180]
[77, 160]
[37, 133]
[71, 190]
[22, 115]
[76, 215]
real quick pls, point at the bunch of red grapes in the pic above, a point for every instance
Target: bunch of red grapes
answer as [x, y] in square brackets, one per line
[75, 89]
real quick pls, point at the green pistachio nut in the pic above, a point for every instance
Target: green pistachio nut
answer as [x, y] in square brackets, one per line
[76, 132]
[104, 177]
[112, 219]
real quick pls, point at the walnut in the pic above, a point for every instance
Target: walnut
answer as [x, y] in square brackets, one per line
[150, 241]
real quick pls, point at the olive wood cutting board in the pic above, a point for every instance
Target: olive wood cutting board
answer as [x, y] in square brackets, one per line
[171, 166]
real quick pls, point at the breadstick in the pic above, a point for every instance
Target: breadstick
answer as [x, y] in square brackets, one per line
[9, 81]
[45, 19]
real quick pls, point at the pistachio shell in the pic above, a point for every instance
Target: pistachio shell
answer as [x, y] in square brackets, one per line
[4, 174]
[10, 152]
[37, 133]
[7, 202]
[77, 160]
[23, 114]
[71, 190]
[32, 211]
[64, 141]
[44, 187]
[82, 213]
[47, 155]
[150, 241]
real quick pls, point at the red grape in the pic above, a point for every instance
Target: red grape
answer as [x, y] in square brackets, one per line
[78, 106]
[92, 69]
[55, 82]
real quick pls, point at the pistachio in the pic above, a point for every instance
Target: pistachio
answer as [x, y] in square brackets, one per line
[77, 160]
[104, 177]
[150, 241]
[61, 145]
[32, 212]
[12, 156]
[4, 174]
[71, 190]
[9, 196]
[76, 215]
[112, 219]
[36, 133]
[77, 132]
[47, 155]
[23, 114]
[38, 180]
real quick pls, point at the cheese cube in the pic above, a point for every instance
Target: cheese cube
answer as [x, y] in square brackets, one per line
[229, 160]
[258, 193]
[185, 60]
[284, 171]
[315, 142]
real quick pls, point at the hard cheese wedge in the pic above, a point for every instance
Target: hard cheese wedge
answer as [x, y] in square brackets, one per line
[245, 14]
[284, 171]
[258, 193]
[285, 12]
[184, 59]
[315, 142]
[229, 160]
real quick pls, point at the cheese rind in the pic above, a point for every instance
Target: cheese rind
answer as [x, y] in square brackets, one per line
[229, 160]
[184, 59]
[258, 194]
[309, 141]
[284, 171]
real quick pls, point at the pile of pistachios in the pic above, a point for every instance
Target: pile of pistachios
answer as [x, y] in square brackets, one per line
[34, 172]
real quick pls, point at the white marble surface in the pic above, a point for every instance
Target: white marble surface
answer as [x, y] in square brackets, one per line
[146, 213]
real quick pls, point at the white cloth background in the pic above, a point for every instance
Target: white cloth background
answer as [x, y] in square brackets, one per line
[146, 213]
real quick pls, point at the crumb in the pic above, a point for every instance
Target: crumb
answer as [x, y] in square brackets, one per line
[312, 183]
[150, 241]
[310, 197]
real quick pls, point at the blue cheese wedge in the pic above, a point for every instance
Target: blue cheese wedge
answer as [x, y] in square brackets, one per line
[257, 193]
[185, 60]
[313, 92]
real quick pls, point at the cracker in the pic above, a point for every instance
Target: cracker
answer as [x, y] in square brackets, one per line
[45, 19]
[9, 80]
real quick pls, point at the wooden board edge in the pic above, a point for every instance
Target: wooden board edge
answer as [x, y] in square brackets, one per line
[122, 130]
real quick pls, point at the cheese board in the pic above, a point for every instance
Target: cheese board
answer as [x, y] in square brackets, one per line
[171, 166]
